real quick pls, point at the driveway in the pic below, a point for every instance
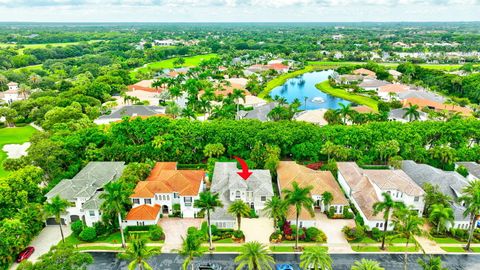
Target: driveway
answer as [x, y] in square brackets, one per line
[48, 237]
[257, 229]
[333, 229]
[175, 229]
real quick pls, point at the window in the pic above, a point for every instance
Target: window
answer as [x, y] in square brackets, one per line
[175, 195]
[381, 225]
[188, 201]
[416, 199]
[148, 201]
[140, 223]
[237, 194]
[136, 201]
[263, 198]
[168, 197]
[91, 213]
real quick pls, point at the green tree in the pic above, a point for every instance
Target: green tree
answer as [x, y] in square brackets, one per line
[433, 196]
[191, 248]
[116, 198]
[327, 198]
[254, 256]
[239, 209]
[300, 198]
[207, 202]
[276, 209]
[386, 206]
[345, 111]
[433, 263]
[411, 113]
[213, 150]
[57, 207]
[62, 256]
[315, 258]
[137, 252]
[441, 216]
[407, 224]
[365, 264]
[471, 201]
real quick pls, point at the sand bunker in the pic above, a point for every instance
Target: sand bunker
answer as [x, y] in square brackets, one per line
[16, 150]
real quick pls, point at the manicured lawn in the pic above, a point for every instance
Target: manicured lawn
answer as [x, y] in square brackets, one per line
[99, 248]
[402, 248]
[228, 249]
[446, 240]
[281, 248]
[17, 135]
[224, 241]
[366, 248]
[337, 92]
[189, 62]
[114, 238]
[453, 249]
[365, 240]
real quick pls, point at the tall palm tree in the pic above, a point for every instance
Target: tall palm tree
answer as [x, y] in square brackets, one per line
[315, 258]
[386, 206]
[34, 79]
[299, 198]
[239, 209]
[191, 248]
[471, 201]
[412, 113]
[433, 263]
[344, 111]
[365, 264]
[407, 224]
[327, 198]
[276, 209]
[116, 198]
[254, 256]
[237, 95]
[442, 216]
[207, 202]
[188, 112]
[56, 207]
[138, 252]
[173, 109]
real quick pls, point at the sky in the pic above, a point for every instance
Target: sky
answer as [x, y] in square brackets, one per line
[238, 10]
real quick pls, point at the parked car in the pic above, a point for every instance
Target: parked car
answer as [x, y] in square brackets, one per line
[208, 266]
[284, 267]
[25, 254]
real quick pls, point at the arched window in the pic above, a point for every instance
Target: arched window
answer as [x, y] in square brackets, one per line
[237, 194]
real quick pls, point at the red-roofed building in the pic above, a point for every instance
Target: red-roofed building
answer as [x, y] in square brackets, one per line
[145, 85]
[165, 187]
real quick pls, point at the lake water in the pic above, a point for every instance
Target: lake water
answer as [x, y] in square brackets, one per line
[304, 86]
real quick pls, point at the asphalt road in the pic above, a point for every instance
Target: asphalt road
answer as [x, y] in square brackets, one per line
[108, 261]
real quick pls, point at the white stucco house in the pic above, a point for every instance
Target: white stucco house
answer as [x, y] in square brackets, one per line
[12, 94]
[165, 187]
[83, 191]
[365, 187]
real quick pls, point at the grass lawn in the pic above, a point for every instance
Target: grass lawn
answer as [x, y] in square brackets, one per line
[225, 241]
[17, 135]
[114, 238]
[402, 248]
[189, 62]
[337, 92]
[228, 249]
[281, 248]
[366, 248]
[365, 240]
[99, 248]
[446, 240]
[453, 249]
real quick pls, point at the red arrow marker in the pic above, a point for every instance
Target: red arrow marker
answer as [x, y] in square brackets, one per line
[245, 173]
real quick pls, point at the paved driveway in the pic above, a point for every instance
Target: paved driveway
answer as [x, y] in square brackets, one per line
[257, 229]
[48, 237]
[175, 229]
[333, 229]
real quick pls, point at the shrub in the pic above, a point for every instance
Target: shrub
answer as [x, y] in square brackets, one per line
[100, 228]
[313, 234]
[253, 214]
[301, 232]
[377, 234]
[347, 213]
[286, 228]
[354, 233]
[331, 212]
[144, 228]
[156, 233]
[238, 234]
[359, 220]
[462, 170]
[88, 234]
[276, 237]
[77, 227]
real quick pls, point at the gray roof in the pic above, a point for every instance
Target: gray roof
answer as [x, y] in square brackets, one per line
[400, 114]
[373, 83]
[472, 167]
[225, 177]
[90, 179]
[134, 110]
[449, 183]
[422, 94]
[95, 202]
[259, 113]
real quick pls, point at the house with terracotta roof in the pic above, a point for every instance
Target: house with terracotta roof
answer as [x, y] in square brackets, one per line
[364, 187]
[165, 187]
[433, 105]
[255, 191]
[145, 85]
[365, 72]
[387, 92]
[321, 181]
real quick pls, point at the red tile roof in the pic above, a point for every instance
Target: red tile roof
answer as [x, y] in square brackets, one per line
[422, 103]
[144, 212]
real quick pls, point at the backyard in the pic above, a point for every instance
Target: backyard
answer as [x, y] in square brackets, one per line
[17, 135]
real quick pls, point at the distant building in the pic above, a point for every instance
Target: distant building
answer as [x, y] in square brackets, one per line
[372, 84]
[387, 92]
[395, 74]
[131, 111]
[400, 116]
[165, 42]
[12, 94]
[365, 72]
[259, 112]
[145, 85]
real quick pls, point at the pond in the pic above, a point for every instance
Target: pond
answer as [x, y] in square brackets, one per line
[303, 87]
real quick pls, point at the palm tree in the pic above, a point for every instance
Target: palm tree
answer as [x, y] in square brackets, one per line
[366, 264]
[433, 263]
[412, 113]
[254, 256]
[237, 95]
[315, 258]
[327, 198]
[207, 202]
[191, 248]
[239, 209]
[300, 198]
[407, 224]
[56, 207]
[471, 201]
[386, 206]
[138, 252]
[276, 208]
[344, 111]
[188, 112]
[441, 216]
[24, 90]
[34, 79]
[116, 198]
[173, 109]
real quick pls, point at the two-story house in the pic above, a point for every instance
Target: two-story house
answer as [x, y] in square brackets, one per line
[255, 191]
[164, 189]
[321, 181]
[83, 191]
[365, 187]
